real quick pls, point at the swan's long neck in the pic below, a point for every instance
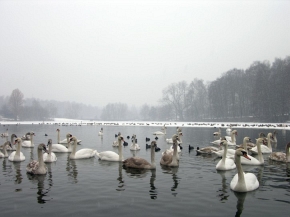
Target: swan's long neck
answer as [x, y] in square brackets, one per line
[68, 143]
[233, 137]
[40, 158]
[180, 139]
[58, 137]
[134, 142]
[260, 155]
[269, 142]
[74, 148]
[225, 154]
[153, 164]
[49, 149]
[241, 177]
[120, 150]
[287, 153]
[245, 145]
[174, 157]
[5, 150]
[18, 149]
[31, 139]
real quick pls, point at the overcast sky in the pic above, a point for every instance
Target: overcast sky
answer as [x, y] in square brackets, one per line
[99, 52]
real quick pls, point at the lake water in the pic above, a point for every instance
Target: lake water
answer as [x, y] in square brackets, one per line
[97, 188]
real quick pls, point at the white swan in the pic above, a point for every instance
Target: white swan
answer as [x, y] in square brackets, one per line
[134, 146]
[162, 132]
[243, 182]
[140, 163]
[110, 155]
[5, 145]
[232, 139]
[171, 159]
[61, 148]
[225, 163]
[17, 155]
[49, 156]
[280, 156]
[29, 143]
[229, 154]
[229, 130]
[5, 135]
[219, 133]
[101, 133]
[170, 141]
[253, 161]
[37, 167]
[264, 149]
[82, 153]
[65, 141]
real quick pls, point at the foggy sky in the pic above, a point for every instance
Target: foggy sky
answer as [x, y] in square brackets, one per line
[99, 52]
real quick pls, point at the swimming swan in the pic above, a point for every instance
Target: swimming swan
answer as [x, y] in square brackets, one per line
[60, 147]
[265, 149]
[17, 155]
[225, 163]
[5, 145]
[243, 182]
[168, 159]
[162, 132]
[140, 163]
[110, 155]
[50, 156]
[82, 153]
[37, 167]
[29, 143]
[280, 156]
[253, 161]
[134, 146]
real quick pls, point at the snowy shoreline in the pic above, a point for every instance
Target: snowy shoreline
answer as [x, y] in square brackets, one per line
[73, 122]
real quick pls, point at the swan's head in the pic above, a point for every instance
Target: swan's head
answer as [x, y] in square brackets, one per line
[153, 144]
[120, 137]
[235, 132]
[42, 147]
[73, 139]
[68, 135]
[270, 136]
[49, 142]
[242, 152]
[247, 139]
[180, 133]
[7, 143]
[223, 142]
[260, 141]
[134, 136]
[18, 140]
[57, 130]
[175, 138]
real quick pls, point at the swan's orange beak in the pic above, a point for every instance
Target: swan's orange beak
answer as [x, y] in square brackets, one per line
[246, 156]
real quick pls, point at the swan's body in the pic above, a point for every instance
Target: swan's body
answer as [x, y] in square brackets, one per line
[264, 149]
[140, 163]
[29, 143]
[207, 150]
[243, 182]
[5, 146]
[162, 132]
[37, 167]
[110, 155]
[253, 161]
[225, 163]
[17, 155]
[82, 153]
[50, 156]
[134, 146]
[169, 159]
[61, 148]
[280, 156]
[101, 133]
[64, 141]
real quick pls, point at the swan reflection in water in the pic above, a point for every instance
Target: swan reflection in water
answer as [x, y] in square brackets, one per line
[175, 178]
[42, 192]
[71, 168]
[18, 175]
[241, 196]
[223, 193]
[141, 173]
[121, 184]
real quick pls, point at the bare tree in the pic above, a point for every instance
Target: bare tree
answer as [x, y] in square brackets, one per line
[16, 103]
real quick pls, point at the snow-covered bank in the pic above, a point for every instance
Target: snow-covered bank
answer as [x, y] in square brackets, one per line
[73, 122]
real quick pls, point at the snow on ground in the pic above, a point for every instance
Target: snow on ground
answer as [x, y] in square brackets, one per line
[72, 122]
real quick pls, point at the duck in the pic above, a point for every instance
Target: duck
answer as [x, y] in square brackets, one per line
[17, 155]
[169, 159]
[190, 147]
[110, 155]
[140, 163]
[264, 149]
[225, 163]
[4, 154]
[162, 132]
[243, 182]
[82, 153]
[101, 133]
[49, 156]
[37, 167]
[57, 148]
[134, 146]
[29, 143]
[280, 156]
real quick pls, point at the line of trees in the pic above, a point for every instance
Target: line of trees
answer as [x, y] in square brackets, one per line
[259, 93]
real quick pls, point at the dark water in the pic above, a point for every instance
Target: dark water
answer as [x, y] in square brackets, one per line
[94, 188]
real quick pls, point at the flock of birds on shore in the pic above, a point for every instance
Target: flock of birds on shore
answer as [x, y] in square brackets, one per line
[233, 156]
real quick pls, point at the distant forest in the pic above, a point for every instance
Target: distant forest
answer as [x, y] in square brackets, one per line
[261, 93]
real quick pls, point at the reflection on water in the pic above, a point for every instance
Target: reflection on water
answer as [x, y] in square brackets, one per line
[175, 178]
[153, 190]
[71, 168]
[241, 196]
[18, 175]
[121, 184]
[42, 192]
[222, 193]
